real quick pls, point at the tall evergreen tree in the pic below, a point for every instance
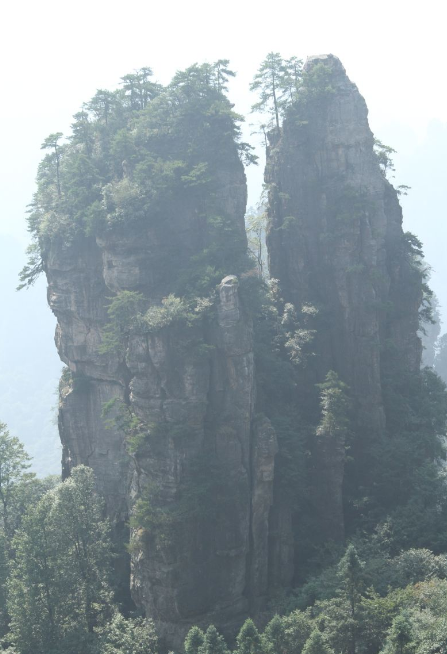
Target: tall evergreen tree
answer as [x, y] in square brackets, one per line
[59, 587]
[213, 642]
[249, 639]
[316, 644]
[269, 82]
[194, 640]
[274, 637]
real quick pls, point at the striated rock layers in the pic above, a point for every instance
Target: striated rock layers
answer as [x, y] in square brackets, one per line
[183, 452]
[335, 242]
[201, 476]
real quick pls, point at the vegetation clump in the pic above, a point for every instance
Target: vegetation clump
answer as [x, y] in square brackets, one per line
[132, 154]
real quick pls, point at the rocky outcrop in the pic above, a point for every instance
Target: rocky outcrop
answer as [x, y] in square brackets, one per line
[335, 241]
[183, 449]
[201, 475]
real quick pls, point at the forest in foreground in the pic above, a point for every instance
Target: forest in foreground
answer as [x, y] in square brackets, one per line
[253, 452]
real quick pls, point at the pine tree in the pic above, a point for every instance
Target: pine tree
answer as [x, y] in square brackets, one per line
[213, 642]
[350, 572]
[249, 640]
[194, 640]
[52, 143]
[316, 644]
[274, 637]
[269, 81]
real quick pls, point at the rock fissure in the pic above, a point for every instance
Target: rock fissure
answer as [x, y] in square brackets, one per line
[214, 491]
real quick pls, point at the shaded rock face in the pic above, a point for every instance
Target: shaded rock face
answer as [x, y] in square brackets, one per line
[212, 531]
[204, 466]
[335, 241]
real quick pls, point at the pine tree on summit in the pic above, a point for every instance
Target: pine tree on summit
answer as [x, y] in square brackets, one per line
[269, 82]
[277, 82]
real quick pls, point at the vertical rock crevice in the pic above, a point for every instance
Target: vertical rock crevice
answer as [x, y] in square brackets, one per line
[335, 241]
[194, 474]
[202, 471]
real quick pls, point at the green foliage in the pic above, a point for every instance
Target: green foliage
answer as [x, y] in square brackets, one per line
[203, 496]
[213, 643]
[297, 626]
[278, 81]
[4, 618]
[136, 154]
[119, 415]
[126, 636]
[249, 639]
[274, 638]
[33, 268]
[58, 591]
[316, 644]
[384, 155]
[122, 311]
[400, 639]
[14, 462]
[283, 346]
[334, 407]
[317, 85]
[194, 640]
[350, 572]
[126, 317]
[172, 310]
[409, 491]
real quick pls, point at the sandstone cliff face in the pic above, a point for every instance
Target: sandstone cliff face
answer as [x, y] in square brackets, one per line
[205, 464]
[218, 525]
[335, 241]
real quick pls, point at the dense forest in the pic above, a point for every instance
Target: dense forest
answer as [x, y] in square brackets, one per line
[253, 451]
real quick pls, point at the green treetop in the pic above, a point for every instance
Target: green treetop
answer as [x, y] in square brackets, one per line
[249, 639]
[132, 154]
[277, 82]
[14, 463]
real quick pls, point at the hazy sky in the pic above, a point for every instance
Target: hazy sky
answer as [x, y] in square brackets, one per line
[54, 55]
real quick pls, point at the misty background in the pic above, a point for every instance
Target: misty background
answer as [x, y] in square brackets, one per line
[54, 58]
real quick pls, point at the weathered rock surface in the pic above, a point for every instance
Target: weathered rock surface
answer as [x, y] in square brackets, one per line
[205, 464]
[217, 533]
[335, 241]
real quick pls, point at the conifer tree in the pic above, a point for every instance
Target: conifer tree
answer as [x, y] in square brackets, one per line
[350, 573]
[316, 644]
[194, 640]
[52, 143]
[274, 637]
[213, 642]
[269, 81]
[249, 639]
[400, 639]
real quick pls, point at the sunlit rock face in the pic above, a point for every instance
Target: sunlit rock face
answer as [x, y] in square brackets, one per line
[335, 241]
[204, 463]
